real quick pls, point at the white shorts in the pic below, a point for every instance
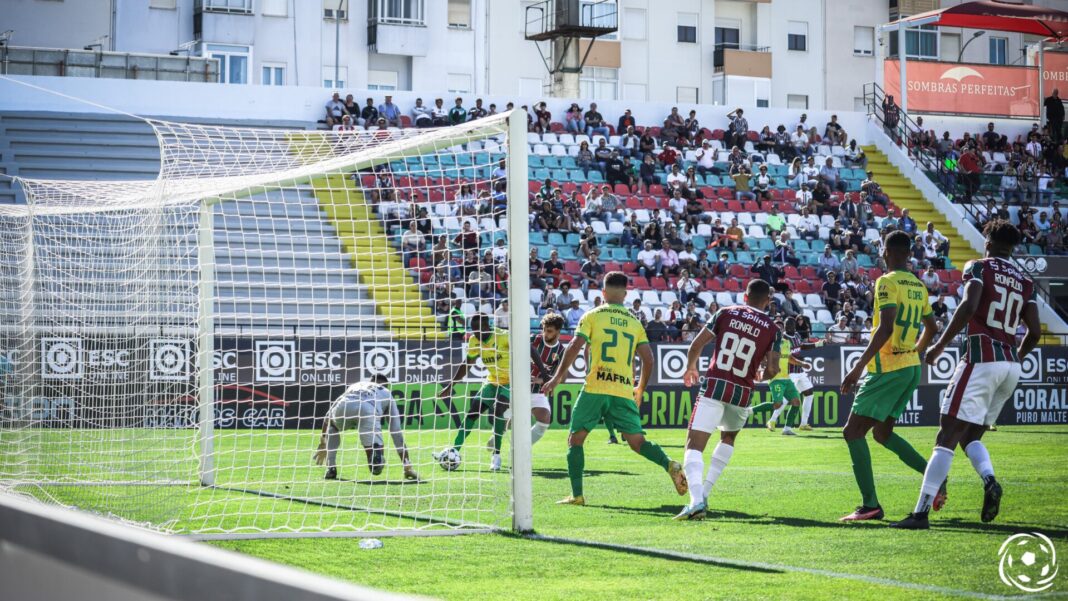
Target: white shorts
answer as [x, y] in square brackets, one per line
[352, 412]
[978, 391]
[802, 381]
[539, 401]
[709, 414]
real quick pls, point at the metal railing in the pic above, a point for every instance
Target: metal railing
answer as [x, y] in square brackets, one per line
[590, 19]
[56, 62]
[901, 132]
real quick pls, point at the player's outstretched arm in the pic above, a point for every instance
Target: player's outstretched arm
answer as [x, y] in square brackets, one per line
[1034, 329]
[396, 432]
[770, 368]
[879, 337]
[573, 349]
[973, 291]
[646, 355]
[320, 453]
[705, 336]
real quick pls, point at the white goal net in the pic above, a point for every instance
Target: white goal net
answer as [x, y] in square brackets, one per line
[170, 350]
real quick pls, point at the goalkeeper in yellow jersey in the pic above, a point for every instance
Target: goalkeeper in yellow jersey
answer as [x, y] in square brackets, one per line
[614, 336]
[490, 345]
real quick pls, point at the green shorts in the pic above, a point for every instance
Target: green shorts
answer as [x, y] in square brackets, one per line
[783, 388]
[590, 408]
[886, 394]
[489, 394]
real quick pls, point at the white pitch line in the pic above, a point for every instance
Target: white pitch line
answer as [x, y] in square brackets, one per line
[736, 563]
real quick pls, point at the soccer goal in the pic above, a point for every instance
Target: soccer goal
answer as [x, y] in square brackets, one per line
[169, 349]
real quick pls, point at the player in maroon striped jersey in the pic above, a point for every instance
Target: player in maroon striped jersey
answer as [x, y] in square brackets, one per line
[746, 351]
[997, 295]
[545, 352]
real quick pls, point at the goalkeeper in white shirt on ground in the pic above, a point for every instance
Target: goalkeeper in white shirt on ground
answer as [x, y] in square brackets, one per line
[363, 407]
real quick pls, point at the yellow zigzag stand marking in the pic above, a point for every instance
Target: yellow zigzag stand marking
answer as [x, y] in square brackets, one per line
[379, 265]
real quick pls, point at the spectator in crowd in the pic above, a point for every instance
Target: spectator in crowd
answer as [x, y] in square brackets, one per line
[574, 314]
[422, 116]
[457, 114]
[412, 243]
[828, 263]
[689, 288]
[335, 110]
[737, 129]
[585, 159]
[790, 307]
[1055, 115]
[840, 332]
[932, 281]
[854, 156]
[834, 133]
[501, 317]
[595, 125]
[628, 143]
[647, 260]
[706, 159]
[971, 169]
[668, 260]
[691, 127]
[499, 252]
[537, 270]
[991, 139]
[784, 250]
[765, 270]
[907, 224]
[687, 258]
[602, 153]
[657, 329]
[554, 267]
[369, 114]
[940, 308]
[542, 118]
[647, 143]
[829, 175]
[573, 121]
[831, 292]
[477, 112]
[648, 173]
[762, 183]
[565, 297]
[891, 116]
[808, 225]
[346, 124]
[810, 172]
[390, 112]
[1010, 185]
[352, 109]
[936, 239]
[592, 271]
[742, 188]
[626, 122]
[799, 140]
[439, 114]
[776, 222]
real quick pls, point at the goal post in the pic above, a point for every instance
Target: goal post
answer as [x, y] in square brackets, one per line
[187, 337]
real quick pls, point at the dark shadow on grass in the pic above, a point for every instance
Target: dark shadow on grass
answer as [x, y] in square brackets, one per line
[654, 553]
[561, 474]
[726, 515]
[1010, 430]
[959, 525]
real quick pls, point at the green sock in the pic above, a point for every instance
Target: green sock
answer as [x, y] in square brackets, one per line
[611, 430]
[461, 435]
[791, 416]
[906, 453]
[861, 456]
[576, 462]
[763, 407]
[653, 452]
[499, 424]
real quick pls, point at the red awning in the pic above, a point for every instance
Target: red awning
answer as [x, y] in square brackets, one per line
[994, 15]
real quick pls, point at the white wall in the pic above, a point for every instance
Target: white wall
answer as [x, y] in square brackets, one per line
[847, 73]
[55, 24]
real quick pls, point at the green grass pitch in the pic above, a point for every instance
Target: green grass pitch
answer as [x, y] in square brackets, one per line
[772, 530]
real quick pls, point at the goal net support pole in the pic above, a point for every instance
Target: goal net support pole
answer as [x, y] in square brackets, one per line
[206, 342]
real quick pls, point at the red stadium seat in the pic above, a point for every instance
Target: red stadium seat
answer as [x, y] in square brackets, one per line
[719, 206]
[572, 267]
[633, 203]
[628, 267]
[650, 203]
[622, 190]
[732, 285]
[613, 266]
[738, 271]
[809, 273]
[717, 134]
[735, 206]
[751, 206]
[714, 285]
[792, 272]
[656, 190]
[789, 194]
[659, 283]
[639, 282]
[556, 127]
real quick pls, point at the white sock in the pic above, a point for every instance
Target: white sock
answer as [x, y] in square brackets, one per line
[721, 455]
[537, 431]
[933, 477]
[333, 443]
[977, 452]
[693, 463]
[775, 414]
[806, 409]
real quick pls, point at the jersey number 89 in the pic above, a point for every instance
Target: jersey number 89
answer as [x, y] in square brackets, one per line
[733, 348]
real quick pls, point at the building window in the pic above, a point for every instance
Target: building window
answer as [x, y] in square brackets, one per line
[920, 42]
[459, 83]
[687, 29]
[728, 37]
[864, 41]
[796, 101]
[274, 8]
[398, 12]
[762, 103]
[634, 24]
[686, 95]
[999, 49]
[227, 6]
[599, 83]
[460, 14]
[797, 36]
[596, 13]
[336, 9]
[164, 4]
[382, 80]
[233, 61]
[273, 75]
[328, 77]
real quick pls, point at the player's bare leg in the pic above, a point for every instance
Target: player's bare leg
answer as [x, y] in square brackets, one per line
[576, 463]
[951, 434]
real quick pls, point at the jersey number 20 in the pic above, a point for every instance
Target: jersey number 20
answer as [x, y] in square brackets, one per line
[1009, 304]
[732, 349]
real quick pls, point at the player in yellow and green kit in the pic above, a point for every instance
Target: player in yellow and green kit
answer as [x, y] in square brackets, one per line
[614, 336]
[782, 389]
[892, 358]
[490, 345]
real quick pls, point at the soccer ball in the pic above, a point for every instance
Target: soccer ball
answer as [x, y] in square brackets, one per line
[449, 460]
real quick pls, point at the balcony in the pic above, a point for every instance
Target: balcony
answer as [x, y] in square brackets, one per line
[237, 7]
[15, 60]
[397, 27]
[741, 59]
